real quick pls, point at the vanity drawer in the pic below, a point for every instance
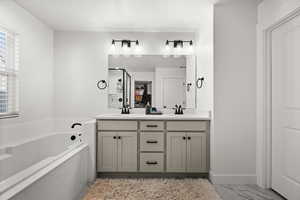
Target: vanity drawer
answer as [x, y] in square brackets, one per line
[152, 141]
[117, 125]
[187, 125]
[151, 162]
[152, 125]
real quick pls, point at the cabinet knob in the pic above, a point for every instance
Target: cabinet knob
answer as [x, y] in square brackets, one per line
[119, 137]
[189, 138]
[183, 138]
[115, 137]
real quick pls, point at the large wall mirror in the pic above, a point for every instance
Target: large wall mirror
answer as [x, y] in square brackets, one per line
[156, 80]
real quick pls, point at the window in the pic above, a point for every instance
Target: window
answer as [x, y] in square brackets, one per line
[9, 59]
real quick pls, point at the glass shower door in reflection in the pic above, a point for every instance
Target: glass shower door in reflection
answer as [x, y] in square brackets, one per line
[119, 88]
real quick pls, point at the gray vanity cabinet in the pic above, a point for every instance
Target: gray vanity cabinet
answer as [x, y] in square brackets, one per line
[196, 152]
[127, 151]
[186, 152]
[117, 146]
[145, 146]
[117, 151]
[186, 146]
[107, 146]
[176, 152]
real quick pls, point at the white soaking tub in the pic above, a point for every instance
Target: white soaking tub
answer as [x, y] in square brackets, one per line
[50, 167]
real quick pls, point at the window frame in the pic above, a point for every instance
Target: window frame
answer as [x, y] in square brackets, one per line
[10, 70]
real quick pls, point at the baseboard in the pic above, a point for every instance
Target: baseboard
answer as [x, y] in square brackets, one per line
[150, 175]
[242, 179]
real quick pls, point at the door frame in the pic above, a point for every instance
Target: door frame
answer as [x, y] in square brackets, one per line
[264, 101]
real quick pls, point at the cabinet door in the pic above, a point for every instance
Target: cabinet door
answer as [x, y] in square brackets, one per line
[127, 151]
[176, 152]
[107, 151]
[196, 152]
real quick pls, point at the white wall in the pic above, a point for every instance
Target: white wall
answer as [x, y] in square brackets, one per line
[81, 59]
[269, 13]
[205, 62]
[234, 137]
[36, 75]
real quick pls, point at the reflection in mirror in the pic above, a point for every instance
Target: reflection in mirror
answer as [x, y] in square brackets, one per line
[156, 80]
[142, 93]
[119, 88]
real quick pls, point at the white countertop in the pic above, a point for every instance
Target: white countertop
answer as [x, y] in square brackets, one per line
[200, 116]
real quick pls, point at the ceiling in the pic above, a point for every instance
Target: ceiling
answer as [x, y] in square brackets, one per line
[121, 15]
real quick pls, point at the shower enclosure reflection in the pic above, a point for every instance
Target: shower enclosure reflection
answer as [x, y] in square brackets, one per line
[119, 93]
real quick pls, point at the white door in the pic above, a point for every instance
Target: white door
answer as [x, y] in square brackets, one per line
[196, 152]
[174, 92]
[176, 152]
[127, 151]
[107, 151]
[286, 109]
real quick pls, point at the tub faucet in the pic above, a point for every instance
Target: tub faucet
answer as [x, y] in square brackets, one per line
[76, 124]
[73, 137]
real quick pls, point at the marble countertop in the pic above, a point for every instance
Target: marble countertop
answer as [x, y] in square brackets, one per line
[194, 116]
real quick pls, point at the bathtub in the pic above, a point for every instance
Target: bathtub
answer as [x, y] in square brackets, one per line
[50, 167]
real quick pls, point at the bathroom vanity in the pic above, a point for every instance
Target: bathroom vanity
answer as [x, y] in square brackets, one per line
[143, 144]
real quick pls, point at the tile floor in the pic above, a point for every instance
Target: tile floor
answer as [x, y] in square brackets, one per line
[245, 192]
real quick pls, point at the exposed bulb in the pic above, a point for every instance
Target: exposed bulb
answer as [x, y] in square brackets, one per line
[113, 47]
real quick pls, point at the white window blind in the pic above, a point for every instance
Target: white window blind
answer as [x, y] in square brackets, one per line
[9, 62]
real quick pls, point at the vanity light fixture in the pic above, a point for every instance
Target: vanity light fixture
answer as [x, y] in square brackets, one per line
[179, 43]
[125, 43]
[167, 43]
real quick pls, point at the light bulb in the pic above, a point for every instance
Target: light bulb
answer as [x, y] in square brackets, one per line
[137, 50]
[190, 49]
[167, 47]
[113, 47]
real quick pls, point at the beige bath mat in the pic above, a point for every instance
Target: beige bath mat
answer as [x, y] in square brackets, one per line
[151, 189]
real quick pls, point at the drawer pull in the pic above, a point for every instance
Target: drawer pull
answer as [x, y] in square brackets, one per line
[151, 163]
[151, 126]
[152, 141]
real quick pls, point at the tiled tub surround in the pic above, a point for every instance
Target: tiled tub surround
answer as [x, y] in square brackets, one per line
[152, 145]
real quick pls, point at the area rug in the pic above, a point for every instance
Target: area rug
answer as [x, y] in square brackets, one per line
[151, 189]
